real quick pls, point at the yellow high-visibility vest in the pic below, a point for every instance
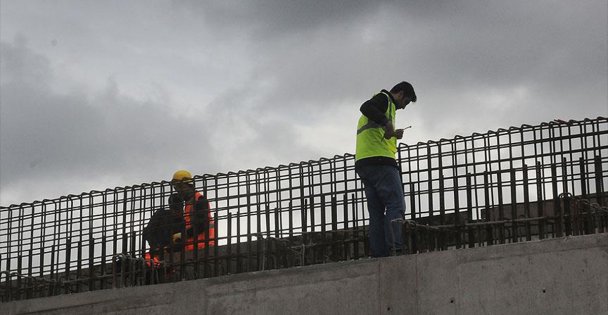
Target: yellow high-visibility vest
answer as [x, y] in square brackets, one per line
[370, 136]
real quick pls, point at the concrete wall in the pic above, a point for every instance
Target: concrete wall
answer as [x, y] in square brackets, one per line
[559, 276]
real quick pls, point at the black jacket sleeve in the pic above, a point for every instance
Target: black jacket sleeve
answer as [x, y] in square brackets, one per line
[375, 108]
[176, 203]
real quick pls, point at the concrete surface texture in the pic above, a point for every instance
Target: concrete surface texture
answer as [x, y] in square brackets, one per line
[558, 276]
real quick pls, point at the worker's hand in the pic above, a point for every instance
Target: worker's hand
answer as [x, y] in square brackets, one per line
[177, 237]
[399, 133]
[389, 130]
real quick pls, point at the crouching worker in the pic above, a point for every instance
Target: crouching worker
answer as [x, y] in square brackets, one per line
[189, 213]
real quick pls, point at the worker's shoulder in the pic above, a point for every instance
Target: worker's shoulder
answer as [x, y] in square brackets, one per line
[381, 97]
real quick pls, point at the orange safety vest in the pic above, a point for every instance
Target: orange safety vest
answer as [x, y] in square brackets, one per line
[201, 235]
[153, 261]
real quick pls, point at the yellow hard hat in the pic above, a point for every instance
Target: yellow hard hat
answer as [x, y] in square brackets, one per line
[182, 175]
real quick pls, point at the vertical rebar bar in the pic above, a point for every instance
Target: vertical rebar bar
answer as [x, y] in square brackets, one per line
[526, 188]
[514, 216]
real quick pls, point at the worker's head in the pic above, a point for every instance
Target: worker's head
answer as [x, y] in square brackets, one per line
[403, 93]
[182, 182]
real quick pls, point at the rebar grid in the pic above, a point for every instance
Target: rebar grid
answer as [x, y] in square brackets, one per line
[509, 185]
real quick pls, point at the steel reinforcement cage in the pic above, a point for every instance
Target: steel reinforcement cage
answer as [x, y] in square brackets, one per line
[502, 186]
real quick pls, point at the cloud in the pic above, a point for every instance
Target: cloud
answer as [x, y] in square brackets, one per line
[45, 134]
[128, 92]
[108, 139]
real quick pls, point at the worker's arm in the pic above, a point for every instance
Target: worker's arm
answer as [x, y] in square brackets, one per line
[176, 221]
[397, 133]
[375, 108]
[176, 203]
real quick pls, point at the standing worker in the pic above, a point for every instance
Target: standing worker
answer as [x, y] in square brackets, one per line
[376, 165]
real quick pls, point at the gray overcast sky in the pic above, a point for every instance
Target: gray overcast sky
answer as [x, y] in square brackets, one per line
[99, 94]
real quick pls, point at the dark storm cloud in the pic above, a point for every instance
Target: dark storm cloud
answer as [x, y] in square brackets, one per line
[271, 19]
[462, 56]
[45, 135]
[111, 139]
[316, 54]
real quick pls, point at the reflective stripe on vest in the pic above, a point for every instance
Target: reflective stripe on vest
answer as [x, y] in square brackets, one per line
[370, 136]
